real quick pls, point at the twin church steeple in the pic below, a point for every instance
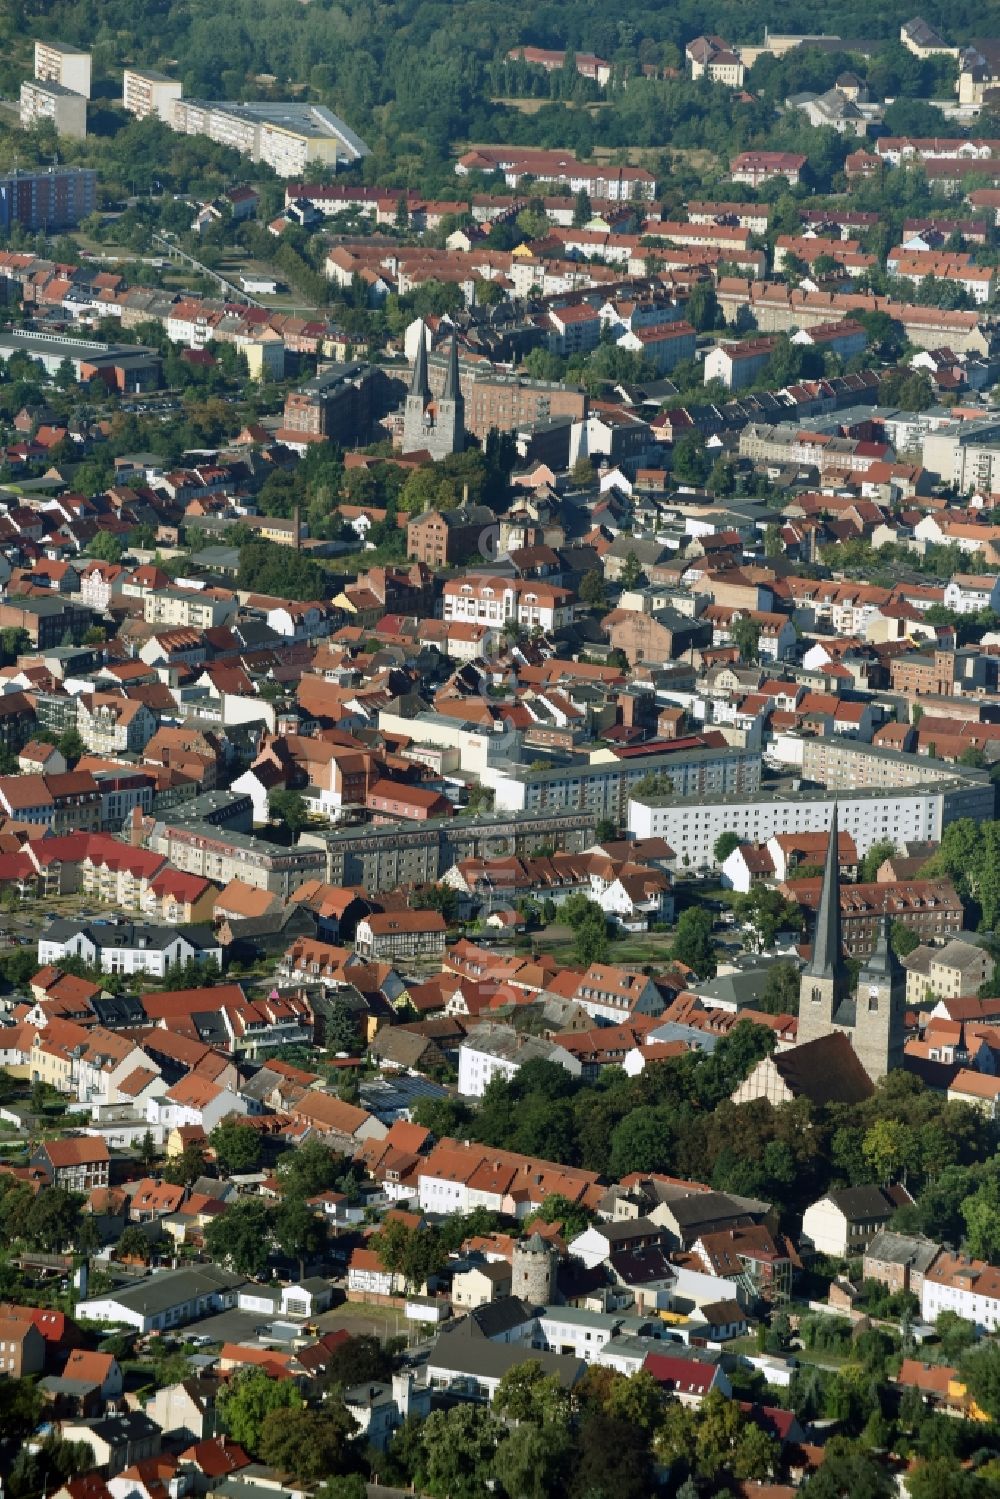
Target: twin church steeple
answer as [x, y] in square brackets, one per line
[872, 1016]
[429, 425]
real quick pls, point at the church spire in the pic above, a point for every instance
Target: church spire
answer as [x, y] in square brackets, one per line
[825, 962]
[450, 392]
[882, 965]
[419, 384]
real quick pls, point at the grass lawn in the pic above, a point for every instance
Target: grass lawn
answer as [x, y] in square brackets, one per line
[361, 1320]
[822, 1358]
[634, 948]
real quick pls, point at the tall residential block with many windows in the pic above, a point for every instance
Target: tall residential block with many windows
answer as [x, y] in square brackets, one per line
[56, 62]
[146, 92]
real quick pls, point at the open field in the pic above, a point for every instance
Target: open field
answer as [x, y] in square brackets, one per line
[532, 106]
[636, 948]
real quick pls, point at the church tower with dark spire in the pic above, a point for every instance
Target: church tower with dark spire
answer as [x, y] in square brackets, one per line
[873, 1015]
[823, 988]
[434, 426]
[451, 406]
[880, 1021]
[418, 399]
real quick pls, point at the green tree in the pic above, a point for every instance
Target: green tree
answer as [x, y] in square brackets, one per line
[300, 1232]
[582, 210]
[745, 634]
[54, 1460]
[590, 941]
[290, 808]
[340, 1028]
[106, 547]
[133, 1244]
[637, 1399]
[310, 1168]
[781, 989]
[946, 1478]
[631, 571]
[610, 1461]
[311, 1444]
[765, 912]
[887, 1147]
[702, 307]
[773, 544]
[358, 1360]
[185, 1168]
[981, 1213]
[693, 944]
[588, 922]
[640, 1142]
[248, 1399]
[236, 1145]
[573, 1216]
[903, 939]
[14, 641]
[147, 1149]
[459, 1451]
[592, 590]
[722, 479]
[71, 746]
[535, 1462]
[848, 1473]
[281, 571]
[526, 1393]
[875, 858]
[718, 1427]
[653, 783]
[691, 463]
[724, 845]
[20, 1407]
[980, 1371]
[240, 1237]
[415, 1253]
[53, 1220]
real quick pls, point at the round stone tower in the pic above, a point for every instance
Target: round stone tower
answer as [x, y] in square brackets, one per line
[534, 1271]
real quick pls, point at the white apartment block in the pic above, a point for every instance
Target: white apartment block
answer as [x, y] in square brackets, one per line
[738, 365]
[691, 826]
[842, 764]
[146, 92]
[48, 100]
[964, 454]
[604, 786]
[967, 593]
[182, 610]
[57, 63]
[288, 137]
[500, 601]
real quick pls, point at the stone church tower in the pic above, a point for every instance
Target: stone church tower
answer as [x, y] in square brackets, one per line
[429, 425]
[881, 1008]
[873, 1016]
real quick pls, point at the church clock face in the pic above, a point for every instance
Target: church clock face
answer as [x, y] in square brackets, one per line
[873, 996]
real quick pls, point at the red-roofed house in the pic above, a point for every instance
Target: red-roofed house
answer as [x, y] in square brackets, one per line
[77, 1163]
[179, 898]
[101, 1369]
[687, 1379]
